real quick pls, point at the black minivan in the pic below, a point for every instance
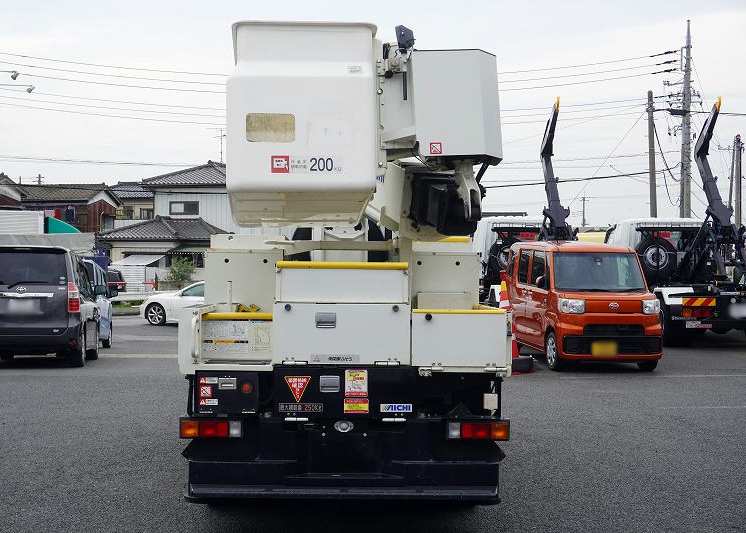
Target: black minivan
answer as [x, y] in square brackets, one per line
[47, 304]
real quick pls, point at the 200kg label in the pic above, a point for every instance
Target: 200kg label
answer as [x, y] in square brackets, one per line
[321, 164]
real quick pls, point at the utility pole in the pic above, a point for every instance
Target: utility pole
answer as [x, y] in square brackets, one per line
[39, 178]
[737, 150]
[582, 224]
[685, 204]
[221, 136]
[651, 157]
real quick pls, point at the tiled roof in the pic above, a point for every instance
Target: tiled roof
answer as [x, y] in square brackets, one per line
[79, 192]
[131, 189]
[5, 180]
[163, 229]
[210, 174]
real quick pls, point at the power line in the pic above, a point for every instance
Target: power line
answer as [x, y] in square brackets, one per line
[113, 116]
[591, 178]
[149, 87]
[87, 72]
[590, 73]
[663, 157]
[115, 66]
[567, 119]
[590, 64]
[118, 101]
[575, 105]
[588, 158]
[34, 159]
[588, 81]
[571, 111]
[35, 100]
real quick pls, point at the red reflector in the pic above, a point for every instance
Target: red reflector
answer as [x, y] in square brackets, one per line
[213, 428]
[246, 387]
[701, 312]
[471, 430]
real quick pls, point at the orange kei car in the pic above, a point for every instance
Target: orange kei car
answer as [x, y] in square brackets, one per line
[583, 301]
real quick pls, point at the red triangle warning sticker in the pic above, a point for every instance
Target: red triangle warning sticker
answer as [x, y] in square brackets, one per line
[297, 385]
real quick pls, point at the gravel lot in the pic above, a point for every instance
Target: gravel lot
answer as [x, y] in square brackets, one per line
[597, 448]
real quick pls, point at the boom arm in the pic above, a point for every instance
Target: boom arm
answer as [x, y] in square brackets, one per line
[715, 239]
[555, 226]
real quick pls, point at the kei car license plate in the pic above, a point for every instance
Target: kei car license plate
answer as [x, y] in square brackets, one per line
[21, 305]
[604, 348]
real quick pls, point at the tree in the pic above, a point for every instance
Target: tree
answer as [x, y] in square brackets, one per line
[181, 269]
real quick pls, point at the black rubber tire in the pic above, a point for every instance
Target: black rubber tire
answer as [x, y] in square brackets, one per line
[647, 366]
[106, 343]
[91, 354]
[498, 257]
[523, 363]
[76, 355]
[719, 331]
[161, 320]
[674, 333]
[556, 363]
[658, 259]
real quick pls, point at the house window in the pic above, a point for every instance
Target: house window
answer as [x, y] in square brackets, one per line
[129, 212]
[146, 214]
[183, 208]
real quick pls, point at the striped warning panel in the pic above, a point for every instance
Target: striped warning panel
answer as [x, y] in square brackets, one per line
[699, 302]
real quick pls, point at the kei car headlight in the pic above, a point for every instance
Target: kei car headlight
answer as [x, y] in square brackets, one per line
[568, 305]
[651, 307]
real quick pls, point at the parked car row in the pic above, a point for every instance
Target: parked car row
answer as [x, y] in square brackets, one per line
[52, 301]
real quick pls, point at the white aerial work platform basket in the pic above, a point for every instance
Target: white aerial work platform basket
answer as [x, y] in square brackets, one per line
[301, 122]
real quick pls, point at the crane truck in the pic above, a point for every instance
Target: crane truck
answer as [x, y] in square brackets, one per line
[354, 361]
[695, 267]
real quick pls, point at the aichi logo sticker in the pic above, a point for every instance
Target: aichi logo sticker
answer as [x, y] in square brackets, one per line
[297, 385]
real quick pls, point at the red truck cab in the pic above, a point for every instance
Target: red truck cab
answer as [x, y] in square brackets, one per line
[583, 301]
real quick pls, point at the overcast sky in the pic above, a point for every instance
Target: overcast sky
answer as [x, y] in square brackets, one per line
[195, 37]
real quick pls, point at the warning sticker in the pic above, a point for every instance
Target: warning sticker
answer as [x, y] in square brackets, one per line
[208, 401]
[260, 336]
[297, 385]
[304, 164]
[205, 391]
[300, 407]
[436, 148]
[356, 382]
[204, 379]
[356, 405]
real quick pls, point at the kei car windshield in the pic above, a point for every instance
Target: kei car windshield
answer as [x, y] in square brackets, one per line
[598, 272]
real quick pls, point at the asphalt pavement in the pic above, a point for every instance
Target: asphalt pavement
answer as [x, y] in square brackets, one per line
[597, 448]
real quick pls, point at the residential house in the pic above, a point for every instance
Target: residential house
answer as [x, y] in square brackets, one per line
[90, 207]
[195, 192]
[137, 203]
[11, 193]
[144, 250]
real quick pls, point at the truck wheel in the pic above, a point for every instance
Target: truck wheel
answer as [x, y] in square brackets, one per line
[657, 257]
[552, 352]
[76, 356]
[498, 256]
[647, 366]
[91, 354]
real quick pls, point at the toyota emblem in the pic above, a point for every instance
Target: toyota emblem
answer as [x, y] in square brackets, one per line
[20, 290]
[614, 305]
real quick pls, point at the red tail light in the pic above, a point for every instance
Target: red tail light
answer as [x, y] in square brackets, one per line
[73, 298]
[479, 430]
[702, 312]
[213, 428]
[190, 428]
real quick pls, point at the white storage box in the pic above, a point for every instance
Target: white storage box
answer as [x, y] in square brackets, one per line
[301, 122]
[469, 340]
[346, 334]
[330, 282]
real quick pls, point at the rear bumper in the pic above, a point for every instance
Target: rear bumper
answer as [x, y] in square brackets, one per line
[38, 344]
[413, 462]
[198, 493]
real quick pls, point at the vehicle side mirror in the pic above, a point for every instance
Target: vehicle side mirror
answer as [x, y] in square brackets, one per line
[99, 290]
[541, 282]
[113, 293]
